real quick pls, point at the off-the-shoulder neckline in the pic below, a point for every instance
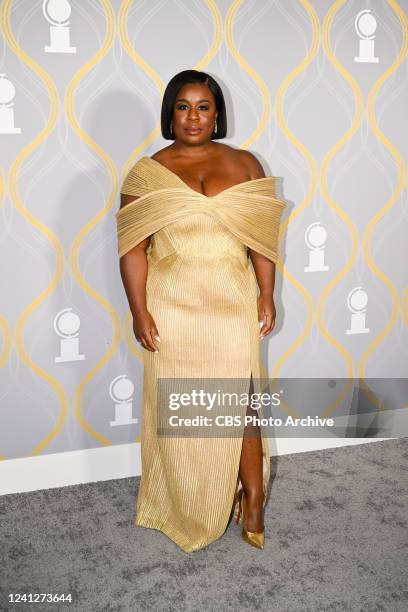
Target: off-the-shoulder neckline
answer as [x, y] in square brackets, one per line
[264, 178]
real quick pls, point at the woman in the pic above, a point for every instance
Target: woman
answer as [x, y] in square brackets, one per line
[190, 217]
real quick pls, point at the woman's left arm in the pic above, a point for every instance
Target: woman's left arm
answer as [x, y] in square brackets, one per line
[265, 275]
[264, 267]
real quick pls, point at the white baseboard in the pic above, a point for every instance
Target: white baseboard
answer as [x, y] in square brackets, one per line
[121, 461]
[71, 468]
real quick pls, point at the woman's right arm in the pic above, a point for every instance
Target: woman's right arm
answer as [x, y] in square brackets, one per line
[133, 270]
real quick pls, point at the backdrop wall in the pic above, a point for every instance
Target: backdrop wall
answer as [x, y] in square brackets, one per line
[317, 90]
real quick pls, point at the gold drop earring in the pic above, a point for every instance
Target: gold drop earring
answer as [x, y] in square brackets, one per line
[215, 127]
[171, 127]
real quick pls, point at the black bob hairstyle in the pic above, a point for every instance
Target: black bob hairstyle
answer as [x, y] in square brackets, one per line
[170, 94]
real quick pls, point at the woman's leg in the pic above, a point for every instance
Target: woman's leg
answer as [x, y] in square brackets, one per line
[250, 473]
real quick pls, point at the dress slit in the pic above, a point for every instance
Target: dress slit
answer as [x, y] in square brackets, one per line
[238, 485]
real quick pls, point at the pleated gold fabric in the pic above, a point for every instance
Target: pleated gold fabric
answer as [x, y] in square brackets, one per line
[202, 294]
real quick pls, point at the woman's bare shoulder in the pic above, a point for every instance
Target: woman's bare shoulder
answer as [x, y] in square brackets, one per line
[244, 161]
[252, 164]
[162, 154]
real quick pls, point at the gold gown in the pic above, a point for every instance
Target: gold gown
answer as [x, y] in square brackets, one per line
[202, 294]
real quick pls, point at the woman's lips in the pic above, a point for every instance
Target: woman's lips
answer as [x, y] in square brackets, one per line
[193, 130]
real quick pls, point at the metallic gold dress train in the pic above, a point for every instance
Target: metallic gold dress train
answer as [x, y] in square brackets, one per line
[202, 294]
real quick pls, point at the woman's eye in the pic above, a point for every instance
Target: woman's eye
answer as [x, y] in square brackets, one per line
[183, 106]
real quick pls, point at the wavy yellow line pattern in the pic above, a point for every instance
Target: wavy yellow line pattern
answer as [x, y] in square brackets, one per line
[282, 90]
[265, 118]
[404, 307]
[359, 104]
[263, 89]
[147, 69]
[404, 297]
[154, 134]
[6, 331]
[152, 74]
[49, 234]
[358, 99]
[265, 98]
[69, 105]
[145, 143]
[372, 122]
[357, 119]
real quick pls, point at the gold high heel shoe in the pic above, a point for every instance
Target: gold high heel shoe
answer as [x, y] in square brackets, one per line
[254, 538]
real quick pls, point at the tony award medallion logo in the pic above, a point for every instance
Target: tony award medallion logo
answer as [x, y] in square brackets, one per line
[121, 392]
[365, 25]
[357, 301]
[66, 325]
[56, 13]
[315, 238]
[7, 93]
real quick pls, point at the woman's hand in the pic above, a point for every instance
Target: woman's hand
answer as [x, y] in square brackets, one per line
[266, 314]
[145, 330]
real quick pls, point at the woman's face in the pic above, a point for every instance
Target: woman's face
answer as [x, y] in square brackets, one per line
[194, 114]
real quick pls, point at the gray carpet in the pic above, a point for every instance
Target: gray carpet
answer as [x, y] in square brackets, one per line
[336, 539]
